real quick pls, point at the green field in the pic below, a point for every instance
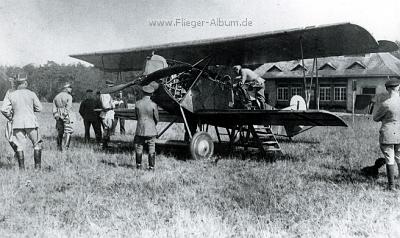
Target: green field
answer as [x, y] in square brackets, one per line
[315, 190]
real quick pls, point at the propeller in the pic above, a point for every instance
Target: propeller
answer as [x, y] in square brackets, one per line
[146, 79]
[117, 88]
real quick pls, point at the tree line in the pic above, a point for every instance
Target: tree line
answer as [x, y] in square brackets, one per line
[47, 80]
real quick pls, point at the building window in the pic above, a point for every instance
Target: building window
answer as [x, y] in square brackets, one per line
[283, 93]
[369, 91]
[325, 93]
[297, 91]
[340, 93]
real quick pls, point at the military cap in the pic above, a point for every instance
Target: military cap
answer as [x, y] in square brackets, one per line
[67, 85]
[148, 89]
[19, 80]
[392, 83]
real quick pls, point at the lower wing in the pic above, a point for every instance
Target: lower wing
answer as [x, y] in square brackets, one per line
[230, 118]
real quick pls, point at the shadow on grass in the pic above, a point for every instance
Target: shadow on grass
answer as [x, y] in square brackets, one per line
[75, 140]
[223, 152]
[344, 175]
[296, 140]
[115, 164]
[181, 151]
[114, 147]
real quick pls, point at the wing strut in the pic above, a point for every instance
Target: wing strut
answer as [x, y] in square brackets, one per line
[307, 92]
[185, 122]
[317, 82]
[167, 127]
[304, 70]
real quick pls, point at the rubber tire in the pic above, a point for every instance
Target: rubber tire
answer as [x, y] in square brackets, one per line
[201, 146]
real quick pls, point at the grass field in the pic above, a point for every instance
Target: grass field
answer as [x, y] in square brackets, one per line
[315, 190]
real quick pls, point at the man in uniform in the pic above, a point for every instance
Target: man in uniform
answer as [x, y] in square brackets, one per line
[147, 118]
[248, 76]
[90, 116]
[19, 108]
[62, 112]
[388, 113]
[119, 103]
[107, 114]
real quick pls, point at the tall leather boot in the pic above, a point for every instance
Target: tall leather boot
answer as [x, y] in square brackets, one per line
[138, 160]
[152, 161]
[105, 144]
[59, 143]
[390, 176]
[67, 141]
[398, 171]
[14, 147]
[21, 160]
[37, 157]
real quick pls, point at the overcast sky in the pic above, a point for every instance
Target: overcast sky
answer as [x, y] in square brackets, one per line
[35, 31]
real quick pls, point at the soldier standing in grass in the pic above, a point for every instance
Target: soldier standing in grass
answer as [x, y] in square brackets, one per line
[389, 135]
[90, 116]
[19, 108]
[107, 114]
[147, 118]
[62, 112]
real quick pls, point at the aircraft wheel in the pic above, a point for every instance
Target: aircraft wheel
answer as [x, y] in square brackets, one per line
[201, 146]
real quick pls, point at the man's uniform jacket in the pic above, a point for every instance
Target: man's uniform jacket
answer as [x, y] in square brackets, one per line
[147, 117]
[389, 114]
[20, 106]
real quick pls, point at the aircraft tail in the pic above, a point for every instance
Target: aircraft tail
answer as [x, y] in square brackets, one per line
[297, 103]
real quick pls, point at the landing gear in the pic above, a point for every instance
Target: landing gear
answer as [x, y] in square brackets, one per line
[201, 146]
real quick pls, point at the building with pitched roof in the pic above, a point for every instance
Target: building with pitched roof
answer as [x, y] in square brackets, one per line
[337, 76]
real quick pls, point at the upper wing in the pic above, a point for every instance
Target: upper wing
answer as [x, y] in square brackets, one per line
[260, 48]
[231, 118]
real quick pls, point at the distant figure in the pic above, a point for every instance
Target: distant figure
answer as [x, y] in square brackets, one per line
[107, 114]
[62, 112]
[19, 108]
[146, 132]
[254, 80]
[90, 116]
[98, 101]
[119, 102]
[388, 112]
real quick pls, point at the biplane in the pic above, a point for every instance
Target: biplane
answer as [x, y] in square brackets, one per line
[190, 93]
